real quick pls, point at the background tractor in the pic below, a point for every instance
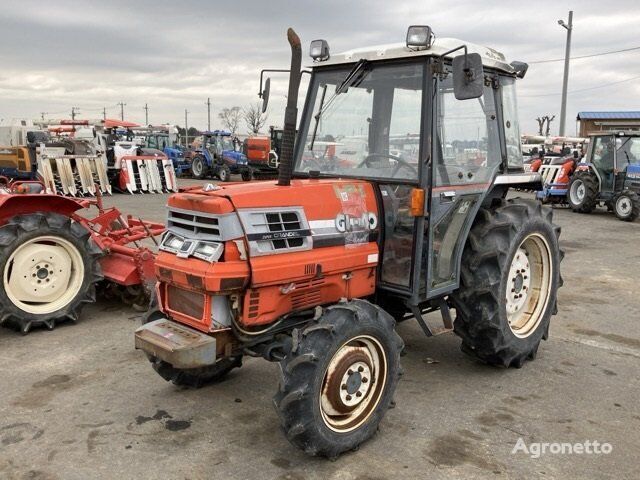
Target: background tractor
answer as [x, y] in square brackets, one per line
[313, 271]
[609, 175]
[216, 155]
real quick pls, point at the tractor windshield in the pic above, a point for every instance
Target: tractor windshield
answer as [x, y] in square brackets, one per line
[371, 128]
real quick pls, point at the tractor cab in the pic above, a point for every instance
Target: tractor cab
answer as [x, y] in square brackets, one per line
[609, 175]
[431, 152]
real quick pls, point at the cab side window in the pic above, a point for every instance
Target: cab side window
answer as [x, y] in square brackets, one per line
[467, 143]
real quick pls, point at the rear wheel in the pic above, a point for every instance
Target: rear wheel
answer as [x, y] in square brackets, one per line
[49, 268]
[198, 168]
[339, 380]
[246, 175]
[583, 192]
[627, 206]
[509, 280]
[224, 173]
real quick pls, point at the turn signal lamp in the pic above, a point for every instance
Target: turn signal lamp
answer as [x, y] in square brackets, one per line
[417, 202]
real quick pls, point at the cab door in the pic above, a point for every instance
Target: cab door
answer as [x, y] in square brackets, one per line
[466, 155]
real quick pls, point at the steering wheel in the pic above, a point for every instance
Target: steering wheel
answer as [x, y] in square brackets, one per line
[400, 163]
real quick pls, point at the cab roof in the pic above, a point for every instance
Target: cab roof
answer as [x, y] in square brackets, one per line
[490, 58]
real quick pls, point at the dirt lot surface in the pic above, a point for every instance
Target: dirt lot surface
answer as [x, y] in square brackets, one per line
[79, 402]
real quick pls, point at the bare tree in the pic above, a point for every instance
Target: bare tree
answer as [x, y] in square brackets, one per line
[541, 121]
[549, 120]
[254, 117]
[231, 118]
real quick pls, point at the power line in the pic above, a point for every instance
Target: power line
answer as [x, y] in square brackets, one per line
[587, 56]
[585, 89]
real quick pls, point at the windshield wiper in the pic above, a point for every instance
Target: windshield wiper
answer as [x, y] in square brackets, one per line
[353, 75]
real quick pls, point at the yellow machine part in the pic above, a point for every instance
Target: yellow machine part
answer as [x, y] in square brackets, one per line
[15, 158]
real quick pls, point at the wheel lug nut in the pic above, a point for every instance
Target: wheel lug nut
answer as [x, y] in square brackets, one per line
[50, 272]
[360, 369]
[349, 397]
[358, 394]
[344, 386]
[350, 372]
[365, 379]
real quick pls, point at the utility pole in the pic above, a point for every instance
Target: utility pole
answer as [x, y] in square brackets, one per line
[186, 128]
[565, 80]
[104, 113]
[122, 105]
[74, 110]
[42, 114]
[146, 114]
[208, 114]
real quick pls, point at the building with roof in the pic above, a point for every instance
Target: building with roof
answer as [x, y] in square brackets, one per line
[593, 122]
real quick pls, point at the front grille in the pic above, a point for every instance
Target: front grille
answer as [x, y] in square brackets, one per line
[549, 173]
[185, 302]
[194, 224]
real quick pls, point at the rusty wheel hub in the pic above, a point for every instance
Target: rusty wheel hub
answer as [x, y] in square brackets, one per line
[353, 384]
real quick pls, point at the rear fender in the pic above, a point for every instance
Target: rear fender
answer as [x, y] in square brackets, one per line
[22, 204]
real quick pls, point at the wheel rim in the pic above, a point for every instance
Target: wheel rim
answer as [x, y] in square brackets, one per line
[43, 275]
[197, 167]
[353, 384]
[223, 174]
[578, 192]
[623, 206]
[529, 285]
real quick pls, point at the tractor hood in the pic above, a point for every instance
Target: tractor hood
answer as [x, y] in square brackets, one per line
[320, 198]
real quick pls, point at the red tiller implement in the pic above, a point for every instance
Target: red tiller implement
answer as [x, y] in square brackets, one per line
[53, 252]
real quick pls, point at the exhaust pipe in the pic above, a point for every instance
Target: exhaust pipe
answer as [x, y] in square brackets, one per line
[291, 112]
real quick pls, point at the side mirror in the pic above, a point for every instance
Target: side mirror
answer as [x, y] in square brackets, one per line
[468, 76]
[265, 94]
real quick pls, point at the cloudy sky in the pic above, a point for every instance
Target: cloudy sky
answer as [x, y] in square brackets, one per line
[173, 55]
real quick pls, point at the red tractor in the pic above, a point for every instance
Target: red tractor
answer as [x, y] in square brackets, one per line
[314, 270]
[52, 255]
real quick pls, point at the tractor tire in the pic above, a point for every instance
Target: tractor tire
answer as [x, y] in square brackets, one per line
[246, 175]
[198, 167]
[627, 205]
[583, 192]
[339, 379]
[192, 377]
[59, 265]
[510, 275]
[224, 173]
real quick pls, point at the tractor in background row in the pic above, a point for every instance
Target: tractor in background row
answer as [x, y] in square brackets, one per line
[608, 175]
[54, 253]
[165, 139]
[313, 271]
[215, 154]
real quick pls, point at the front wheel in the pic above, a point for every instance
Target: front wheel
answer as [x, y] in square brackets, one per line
[224, 173]
[339, 381]
[246, 175]
[627, 206]
[509, 281]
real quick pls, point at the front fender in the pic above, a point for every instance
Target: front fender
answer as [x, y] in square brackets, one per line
[24, 204]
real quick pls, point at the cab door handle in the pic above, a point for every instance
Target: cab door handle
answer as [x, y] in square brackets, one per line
[448, 196]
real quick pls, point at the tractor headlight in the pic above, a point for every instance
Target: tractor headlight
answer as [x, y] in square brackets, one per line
[319, 50]
[171, 242]
[209, 251]
[419, 37]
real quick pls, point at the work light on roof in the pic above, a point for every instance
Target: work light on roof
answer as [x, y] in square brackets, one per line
[319, 50]
[419, 37]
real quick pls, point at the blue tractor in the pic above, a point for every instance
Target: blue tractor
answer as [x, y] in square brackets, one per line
[608, 175]
[217, 156]
[166, 142]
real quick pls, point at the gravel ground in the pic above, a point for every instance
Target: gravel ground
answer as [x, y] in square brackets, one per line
[79, 402]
